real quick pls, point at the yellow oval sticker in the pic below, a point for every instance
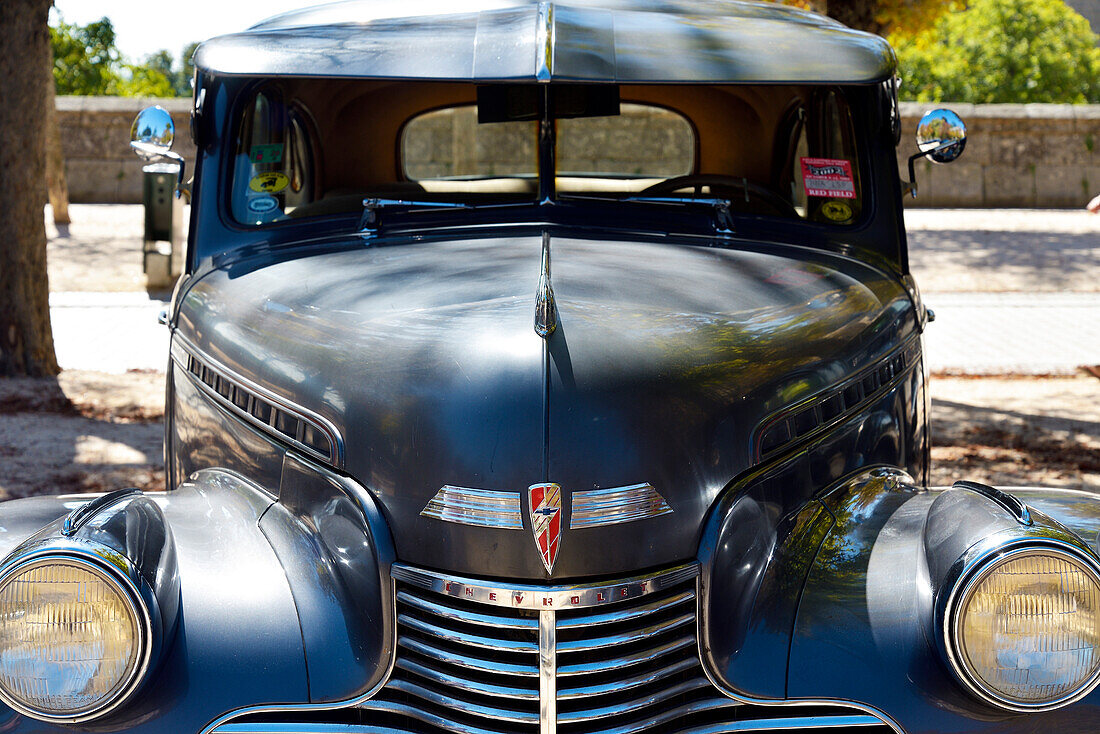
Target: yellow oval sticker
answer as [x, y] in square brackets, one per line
[836, 211]
[269, 183]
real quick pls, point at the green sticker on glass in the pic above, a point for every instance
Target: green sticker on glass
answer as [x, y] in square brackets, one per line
[271, 153]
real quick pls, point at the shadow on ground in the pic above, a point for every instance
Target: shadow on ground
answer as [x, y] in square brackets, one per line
[962, 260]
[1036, 431]
[81, 432]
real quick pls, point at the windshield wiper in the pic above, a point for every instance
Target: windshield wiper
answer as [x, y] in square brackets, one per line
[370, 220]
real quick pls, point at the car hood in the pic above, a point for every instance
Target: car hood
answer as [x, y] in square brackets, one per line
[666, 358]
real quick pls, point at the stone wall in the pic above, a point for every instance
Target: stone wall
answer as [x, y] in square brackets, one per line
[1037, 155]
[95, 136]
[1016, 155]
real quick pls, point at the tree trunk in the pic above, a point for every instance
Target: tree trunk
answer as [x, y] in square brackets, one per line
[56, 184]
[26, 342]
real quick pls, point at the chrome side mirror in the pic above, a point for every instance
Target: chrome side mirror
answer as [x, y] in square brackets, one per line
[151, 137]
[152, 133]
[941, 138]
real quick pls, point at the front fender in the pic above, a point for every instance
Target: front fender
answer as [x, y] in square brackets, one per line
[865, 629]
[266, 588]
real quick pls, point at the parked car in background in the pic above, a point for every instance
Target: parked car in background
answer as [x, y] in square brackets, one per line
[548, 368]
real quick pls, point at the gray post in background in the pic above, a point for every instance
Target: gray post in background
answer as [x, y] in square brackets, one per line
[162, 245]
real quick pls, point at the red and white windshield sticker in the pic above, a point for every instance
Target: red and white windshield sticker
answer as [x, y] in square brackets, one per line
[828, 177]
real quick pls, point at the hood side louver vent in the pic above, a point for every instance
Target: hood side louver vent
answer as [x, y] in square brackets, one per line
[275, 416]
[790, 425]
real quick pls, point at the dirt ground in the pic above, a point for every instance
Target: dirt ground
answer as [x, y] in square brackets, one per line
[90, 432]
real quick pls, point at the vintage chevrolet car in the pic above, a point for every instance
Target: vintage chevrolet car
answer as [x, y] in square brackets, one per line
[549, 368]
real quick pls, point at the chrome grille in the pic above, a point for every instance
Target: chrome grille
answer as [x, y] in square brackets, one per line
[468, 661]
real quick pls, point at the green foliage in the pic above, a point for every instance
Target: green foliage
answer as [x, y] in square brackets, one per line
[85, 57]
[144, 81]
[1003, 51]
[87, 62]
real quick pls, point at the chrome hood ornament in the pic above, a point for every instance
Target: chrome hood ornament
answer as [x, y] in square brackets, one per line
[546, 318]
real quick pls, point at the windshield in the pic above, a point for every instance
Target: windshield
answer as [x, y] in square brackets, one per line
[314, 148]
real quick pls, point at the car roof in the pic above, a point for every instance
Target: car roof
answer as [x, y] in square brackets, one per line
[643, 41]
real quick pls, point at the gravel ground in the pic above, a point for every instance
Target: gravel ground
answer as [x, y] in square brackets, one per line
[83, 432]
[1006, 431]
[91, 431]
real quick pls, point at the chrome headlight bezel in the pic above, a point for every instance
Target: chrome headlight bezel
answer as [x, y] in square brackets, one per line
[120, 574]
[968, 576]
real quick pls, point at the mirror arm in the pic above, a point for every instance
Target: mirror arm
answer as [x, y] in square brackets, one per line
[182, 163]
[911, 186]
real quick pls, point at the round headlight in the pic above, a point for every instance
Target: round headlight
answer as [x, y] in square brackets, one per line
[71, 639]
[1025, 630]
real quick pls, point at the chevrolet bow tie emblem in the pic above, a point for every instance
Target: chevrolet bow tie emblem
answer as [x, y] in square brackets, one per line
[546, 520]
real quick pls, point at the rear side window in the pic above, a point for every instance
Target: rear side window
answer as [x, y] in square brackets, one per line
[273, 165]
[821, 164]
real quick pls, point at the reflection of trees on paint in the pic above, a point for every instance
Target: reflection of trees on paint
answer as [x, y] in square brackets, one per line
[841, 566]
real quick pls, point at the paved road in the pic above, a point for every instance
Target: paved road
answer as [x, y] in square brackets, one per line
[1013, 291]
[108, 332]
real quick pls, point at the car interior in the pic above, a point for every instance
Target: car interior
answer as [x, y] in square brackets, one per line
[317, 147]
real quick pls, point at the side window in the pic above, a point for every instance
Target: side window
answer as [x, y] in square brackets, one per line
[273, 164]
[820, 162]
[830, 174]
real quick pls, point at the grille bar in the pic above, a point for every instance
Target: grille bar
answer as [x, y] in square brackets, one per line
[451, 700]
[637, 612]
[565, 694]
[481, 665]
[635, 635]
[466, 684]
[650, 700]
[446, 612]
[486, 643]
[686, 642]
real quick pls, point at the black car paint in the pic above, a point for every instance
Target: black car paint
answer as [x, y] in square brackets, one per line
[425, 357]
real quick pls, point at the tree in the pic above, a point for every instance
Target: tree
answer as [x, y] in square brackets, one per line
[56, 183]
[1004, 51]
[154, 78]
[187, 70]
[880, 16]
[87, 62]
[85, 57]
[26, 342]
